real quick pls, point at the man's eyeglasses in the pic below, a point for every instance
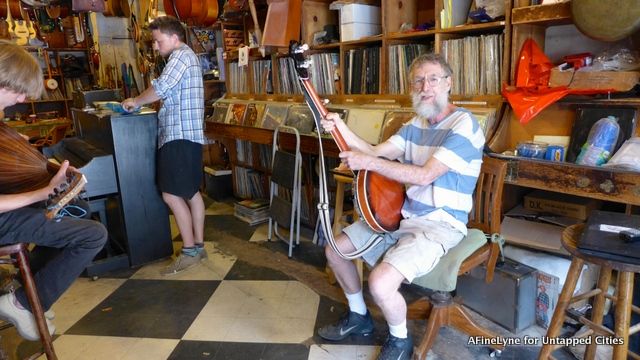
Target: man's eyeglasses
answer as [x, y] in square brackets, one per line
[433, 81]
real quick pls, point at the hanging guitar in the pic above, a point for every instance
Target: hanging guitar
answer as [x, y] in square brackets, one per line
[378, 198]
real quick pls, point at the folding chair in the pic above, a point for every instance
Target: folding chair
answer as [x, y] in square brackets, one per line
[285, 185]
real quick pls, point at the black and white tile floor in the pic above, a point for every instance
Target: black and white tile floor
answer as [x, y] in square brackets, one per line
[229, 307]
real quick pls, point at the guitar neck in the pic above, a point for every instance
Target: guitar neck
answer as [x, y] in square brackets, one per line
[314, 101]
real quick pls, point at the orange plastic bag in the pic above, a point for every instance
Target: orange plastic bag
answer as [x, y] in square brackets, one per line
[532, 93]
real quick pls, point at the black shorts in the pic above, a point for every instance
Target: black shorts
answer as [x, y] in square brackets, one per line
[180, 168]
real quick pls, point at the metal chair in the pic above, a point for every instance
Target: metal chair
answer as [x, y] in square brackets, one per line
[440, 309]
[284, 193]
[17, 255]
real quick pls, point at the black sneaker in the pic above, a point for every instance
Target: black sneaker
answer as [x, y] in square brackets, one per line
[349, 323]
[396, 348]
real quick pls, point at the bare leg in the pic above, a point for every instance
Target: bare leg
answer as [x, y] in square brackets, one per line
[344, 270]
[196, 204]
[384, 282]
[183, 216]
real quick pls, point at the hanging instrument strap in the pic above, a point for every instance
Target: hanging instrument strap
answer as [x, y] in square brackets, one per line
[323, 202]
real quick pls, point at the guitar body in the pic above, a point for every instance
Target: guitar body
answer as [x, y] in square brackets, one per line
[378, 198]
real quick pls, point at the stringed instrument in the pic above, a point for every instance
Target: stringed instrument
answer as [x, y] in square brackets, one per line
[378, 198]
[23, 168]
[50, 83]
[19, 31]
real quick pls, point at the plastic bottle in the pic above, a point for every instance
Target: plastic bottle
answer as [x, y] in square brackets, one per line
[600, 143]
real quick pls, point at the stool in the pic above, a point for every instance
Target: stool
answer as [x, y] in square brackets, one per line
[16, 255]
[342, 177]
[622, 299]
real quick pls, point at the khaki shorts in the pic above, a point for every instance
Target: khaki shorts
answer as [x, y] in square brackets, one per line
[414, 249]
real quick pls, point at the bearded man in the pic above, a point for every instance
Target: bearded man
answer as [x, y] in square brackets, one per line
[437, 155]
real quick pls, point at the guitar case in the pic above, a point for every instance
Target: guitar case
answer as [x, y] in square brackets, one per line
[622, 18]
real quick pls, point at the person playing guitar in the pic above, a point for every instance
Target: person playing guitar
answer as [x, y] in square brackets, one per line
[79, 240]
[439, 154]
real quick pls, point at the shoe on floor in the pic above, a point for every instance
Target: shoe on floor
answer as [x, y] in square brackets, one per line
[22, 319]
[349, 323]
[203, 254]
[181, 263]
[396, 348]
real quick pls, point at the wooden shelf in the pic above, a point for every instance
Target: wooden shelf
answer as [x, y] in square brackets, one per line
[592, 182]
[308, 144]
[473, 28]
[411, 35]
[547, 15]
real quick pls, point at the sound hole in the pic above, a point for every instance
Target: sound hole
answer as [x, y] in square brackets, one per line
[400, 5]
[315, 19]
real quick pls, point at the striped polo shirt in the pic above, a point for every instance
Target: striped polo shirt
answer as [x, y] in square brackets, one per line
[457, 141]
[180, 87]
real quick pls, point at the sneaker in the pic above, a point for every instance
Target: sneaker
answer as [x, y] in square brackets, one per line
[181, 263]
[350, 323]
[203, 254]
[396, 348]
[22, 319]
[49, 314]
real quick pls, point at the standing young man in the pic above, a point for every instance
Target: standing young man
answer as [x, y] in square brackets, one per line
[440, 154]
[79, 240]
[180, 136]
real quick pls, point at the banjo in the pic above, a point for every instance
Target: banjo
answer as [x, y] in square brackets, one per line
[378, 198]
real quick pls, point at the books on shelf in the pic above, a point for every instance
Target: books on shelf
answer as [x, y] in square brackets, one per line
[253, 211]
[262, 80]
[476, 62]
[400, 58]
[288, 77]
[363, 70]
[323, 72]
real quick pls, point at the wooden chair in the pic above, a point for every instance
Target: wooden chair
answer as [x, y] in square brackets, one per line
[440, 309]
[54, 136]
[17, 255]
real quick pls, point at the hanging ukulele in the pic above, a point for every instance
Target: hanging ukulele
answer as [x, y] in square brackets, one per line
[378, 198]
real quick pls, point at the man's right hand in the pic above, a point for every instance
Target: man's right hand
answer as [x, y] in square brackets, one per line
[59, 178]
[129, 104]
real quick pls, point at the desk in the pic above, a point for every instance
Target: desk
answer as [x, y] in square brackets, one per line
[38, 128]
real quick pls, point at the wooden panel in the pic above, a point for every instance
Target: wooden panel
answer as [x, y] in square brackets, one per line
[397, 12]
[315, 15]
[308, 144]
[597, 183]
[552, 14]
[283, 23]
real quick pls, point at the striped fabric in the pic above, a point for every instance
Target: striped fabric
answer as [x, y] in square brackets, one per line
[456, 141]
[180, 88]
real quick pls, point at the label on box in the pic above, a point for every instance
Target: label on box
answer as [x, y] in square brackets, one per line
[560, 204]
[548, 288]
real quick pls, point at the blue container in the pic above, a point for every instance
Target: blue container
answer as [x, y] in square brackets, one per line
[555, 153]
[532, 149]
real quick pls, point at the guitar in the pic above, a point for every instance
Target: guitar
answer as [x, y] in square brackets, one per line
[378, 198]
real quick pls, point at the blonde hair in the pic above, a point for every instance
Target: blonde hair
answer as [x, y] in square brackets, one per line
[19, 71]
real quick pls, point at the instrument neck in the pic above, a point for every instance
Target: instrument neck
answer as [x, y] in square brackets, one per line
[322, 110]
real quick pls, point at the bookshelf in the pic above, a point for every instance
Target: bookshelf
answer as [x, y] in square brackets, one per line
[551, 27]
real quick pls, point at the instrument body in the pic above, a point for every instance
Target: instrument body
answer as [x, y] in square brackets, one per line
[378, 198]
[23, 168]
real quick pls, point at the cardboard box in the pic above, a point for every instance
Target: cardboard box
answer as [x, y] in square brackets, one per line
[560, 204]
[358, 13]
[355, 31]
[616, 80]
[548, 290]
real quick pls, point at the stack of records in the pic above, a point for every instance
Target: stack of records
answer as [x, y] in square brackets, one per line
[252, 211]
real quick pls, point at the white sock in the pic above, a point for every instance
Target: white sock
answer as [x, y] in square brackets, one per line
[399, 331]
[356, 303]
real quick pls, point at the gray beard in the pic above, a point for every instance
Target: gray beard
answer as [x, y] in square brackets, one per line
[429, 111]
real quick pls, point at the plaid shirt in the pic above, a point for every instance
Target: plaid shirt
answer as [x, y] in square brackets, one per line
[180, 88]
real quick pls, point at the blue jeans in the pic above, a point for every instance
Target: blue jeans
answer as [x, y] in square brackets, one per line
[79, 241]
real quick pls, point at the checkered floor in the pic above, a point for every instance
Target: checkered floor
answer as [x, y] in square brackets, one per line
[226, 308]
